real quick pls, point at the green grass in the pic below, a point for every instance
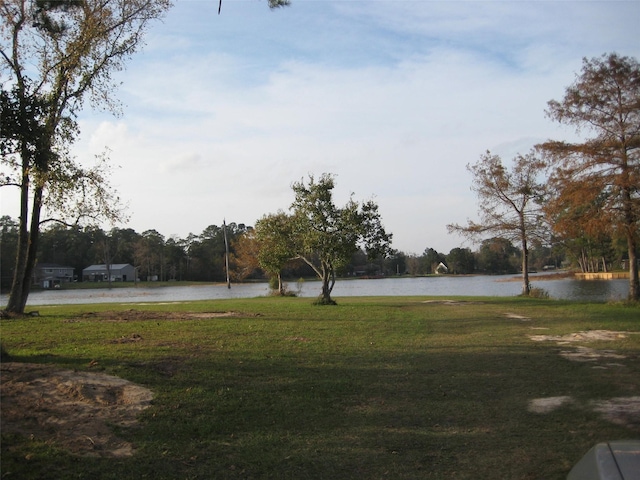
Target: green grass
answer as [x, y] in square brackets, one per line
[372, 388]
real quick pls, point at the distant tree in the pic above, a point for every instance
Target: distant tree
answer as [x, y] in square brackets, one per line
[396, 263]
[510, 203]
[244, 260]
[276, 245]
[461, 261]
[326, 236]
[590, 253]
[175, 259]
[498, 256]
[598, 181]
[413, 264]
[431, 259]
[53, 54]
[207, 254]
[150, 255]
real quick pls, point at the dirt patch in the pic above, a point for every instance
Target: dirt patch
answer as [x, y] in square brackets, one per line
[72, 410]
[586, 354]
[451, 302]
[624, 411]
[134, 315]
[548, 404]
[587, 336]
[582, 353]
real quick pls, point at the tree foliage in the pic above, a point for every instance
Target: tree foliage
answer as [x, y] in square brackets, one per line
[598, 181]
[510, 203]
[53, 55]
[276, 245]
[325, 236]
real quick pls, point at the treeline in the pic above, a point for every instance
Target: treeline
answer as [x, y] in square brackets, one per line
[202, 257]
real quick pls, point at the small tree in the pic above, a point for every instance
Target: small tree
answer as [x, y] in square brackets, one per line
[276, 245]
[509, 203]
[326, 236]
[597, 181]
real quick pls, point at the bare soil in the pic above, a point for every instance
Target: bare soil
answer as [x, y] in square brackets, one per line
[73, 410]
[621, 410]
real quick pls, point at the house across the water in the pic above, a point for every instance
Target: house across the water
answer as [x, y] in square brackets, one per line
[52, 275]
[119, 272]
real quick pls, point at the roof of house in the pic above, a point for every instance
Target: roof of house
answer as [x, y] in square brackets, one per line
[103, 267]
[52, 265]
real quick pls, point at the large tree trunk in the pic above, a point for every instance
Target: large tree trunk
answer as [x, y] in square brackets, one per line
[27, 251]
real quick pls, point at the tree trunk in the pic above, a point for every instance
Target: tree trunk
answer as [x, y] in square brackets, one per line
[526, 286]
[27, 251]
[280, 285]
[327, 276]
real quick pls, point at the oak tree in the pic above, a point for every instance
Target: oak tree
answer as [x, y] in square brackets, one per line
[509, 203]
[598, 180]
[326, 236]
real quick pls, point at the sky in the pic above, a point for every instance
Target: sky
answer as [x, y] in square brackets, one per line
[222, 113]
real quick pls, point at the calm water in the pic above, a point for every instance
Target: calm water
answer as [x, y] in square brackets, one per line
[570, 289]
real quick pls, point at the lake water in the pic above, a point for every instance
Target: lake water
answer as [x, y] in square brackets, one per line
[569, 289]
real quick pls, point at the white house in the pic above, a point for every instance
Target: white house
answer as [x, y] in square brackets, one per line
[442, 268]
[120, 272]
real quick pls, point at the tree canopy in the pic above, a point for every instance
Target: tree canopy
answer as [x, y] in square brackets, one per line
[320, 233]
[510, 203]
[53, 56]
[597, 182]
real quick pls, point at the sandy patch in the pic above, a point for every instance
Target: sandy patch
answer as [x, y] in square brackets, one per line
[548, 404]
[587, 336]
[586, 354]
[515, 316]
[621, 410]
[72, 410]
[582, 353]
[451, 302]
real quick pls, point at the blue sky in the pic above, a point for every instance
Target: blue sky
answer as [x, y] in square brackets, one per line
[221, 113]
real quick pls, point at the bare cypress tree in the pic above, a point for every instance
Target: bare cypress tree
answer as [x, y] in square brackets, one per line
[598, 180]
[510, 203]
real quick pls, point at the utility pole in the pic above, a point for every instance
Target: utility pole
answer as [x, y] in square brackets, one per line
[226, 250]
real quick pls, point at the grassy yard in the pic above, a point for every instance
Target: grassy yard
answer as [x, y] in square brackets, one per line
[397, 388]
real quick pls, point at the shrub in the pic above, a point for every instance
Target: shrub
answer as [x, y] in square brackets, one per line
[536, 292]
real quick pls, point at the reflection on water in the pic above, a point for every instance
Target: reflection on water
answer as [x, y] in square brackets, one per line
[569, 289]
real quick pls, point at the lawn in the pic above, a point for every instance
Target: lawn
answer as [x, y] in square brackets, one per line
[384, 387]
